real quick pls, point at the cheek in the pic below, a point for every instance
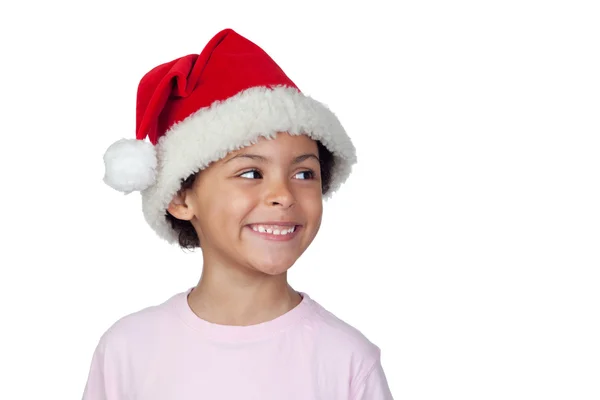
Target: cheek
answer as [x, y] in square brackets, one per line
[317, 215]
[225, 208]
[313, 207]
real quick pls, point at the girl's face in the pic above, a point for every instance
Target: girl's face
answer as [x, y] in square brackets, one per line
[260, 207]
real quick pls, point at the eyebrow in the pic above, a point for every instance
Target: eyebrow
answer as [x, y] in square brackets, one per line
[256, 157]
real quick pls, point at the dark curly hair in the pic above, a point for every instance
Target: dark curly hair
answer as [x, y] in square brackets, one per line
[188, 238]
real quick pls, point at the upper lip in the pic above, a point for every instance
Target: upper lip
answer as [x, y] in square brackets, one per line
[279, 223]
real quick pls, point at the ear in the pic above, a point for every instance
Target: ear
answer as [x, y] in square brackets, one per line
[179, 208]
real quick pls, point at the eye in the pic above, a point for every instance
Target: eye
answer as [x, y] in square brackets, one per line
[305, 175]
[252, 174]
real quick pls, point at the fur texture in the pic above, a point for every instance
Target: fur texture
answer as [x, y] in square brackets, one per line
[130, 165]
[210, 133]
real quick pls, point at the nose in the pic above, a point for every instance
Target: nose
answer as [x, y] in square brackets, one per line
[279, 194]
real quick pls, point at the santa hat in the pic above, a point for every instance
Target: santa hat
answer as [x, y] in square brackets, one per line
[197, 108]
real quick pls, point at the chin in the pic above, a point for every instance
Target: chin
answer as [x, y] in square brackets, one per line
[273, 267]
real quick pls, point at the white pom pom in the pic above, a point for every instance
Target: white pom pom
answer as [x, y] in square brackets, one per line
[130, 165]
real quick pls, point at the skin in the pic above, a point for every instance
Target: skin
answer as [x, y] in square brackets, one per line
[244, 275]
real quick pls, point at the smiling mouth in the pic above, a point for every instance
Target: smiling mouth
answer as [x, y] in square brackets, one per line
[275, 232]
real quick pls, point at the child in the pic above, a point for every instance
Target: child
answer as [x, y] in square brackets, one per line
[238, 162]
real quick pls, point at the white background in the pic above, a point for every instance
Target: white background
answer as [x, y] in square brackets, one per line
[466, 244]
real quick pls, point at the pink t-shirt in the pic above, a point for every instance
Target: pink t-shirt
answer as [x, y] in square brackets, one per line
[166, 352]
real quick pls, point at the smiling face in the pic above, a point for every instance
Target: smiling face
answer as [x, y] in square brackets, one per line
[259, 207]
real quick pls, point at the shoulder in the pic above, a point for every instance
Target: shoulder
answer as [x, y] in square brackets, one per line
[125, 349]
[342, 342]
[334, 329]
[137, 328]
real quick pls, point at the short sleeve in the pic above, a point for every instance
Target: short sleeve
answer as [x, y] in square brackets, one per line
[104, 382]
[374, 386]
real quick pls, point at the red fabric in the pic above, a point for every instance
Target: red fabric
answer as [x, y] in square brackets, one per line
[228, 64]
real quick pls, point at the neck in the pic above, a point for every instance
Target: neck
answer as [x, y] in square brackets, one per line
[239, 296]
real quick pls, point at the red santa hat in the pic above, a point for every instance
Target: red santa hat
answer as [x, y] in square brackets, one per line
[194, 110]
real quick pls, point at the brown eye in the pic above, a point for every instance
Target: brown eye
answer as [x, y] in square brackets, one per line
[305, 175]
[252, 174]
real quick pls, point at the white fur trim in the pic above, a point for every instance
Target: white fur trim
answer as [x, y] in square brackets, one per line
[211, 133]
[130, 165]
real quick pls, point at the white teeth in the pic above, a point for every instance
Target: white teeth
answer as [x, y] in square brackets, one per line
[273, 229]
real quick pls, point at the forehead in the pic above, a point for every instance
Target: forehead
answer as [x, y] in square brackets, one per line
[283, 143]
